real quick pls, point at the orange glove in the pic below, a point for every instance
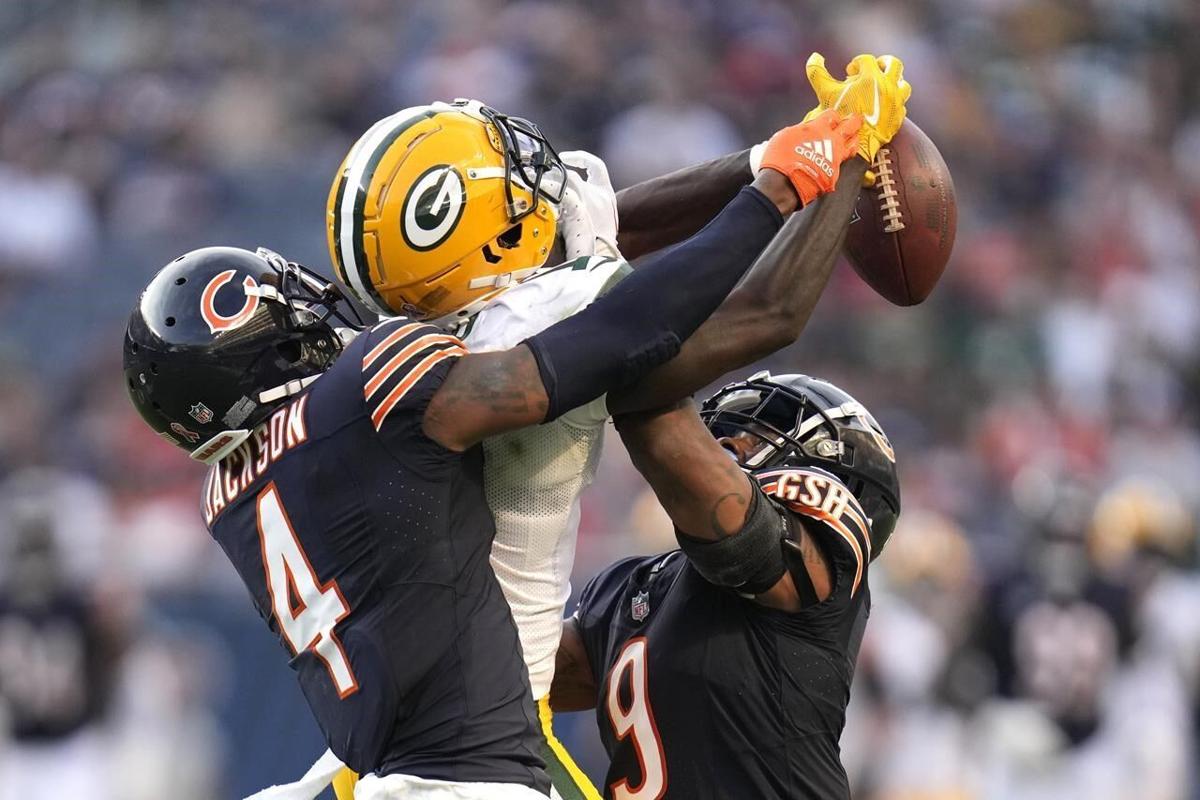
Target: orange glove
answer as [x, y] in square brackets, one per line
[811, 154]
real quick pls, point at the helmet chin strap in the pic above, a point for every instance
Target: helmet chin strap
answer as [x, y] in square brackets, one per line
[226, 442]
[503, 280]
[845, 410]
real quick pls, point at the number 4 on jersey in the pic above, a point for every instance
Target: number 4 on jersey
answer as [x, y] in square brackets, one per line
[636, 719]
[305, 611]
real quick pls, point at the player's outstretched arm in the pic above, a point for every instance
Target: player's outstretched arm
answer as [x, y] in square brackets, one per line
[771, 307]
[637, 326]
[768, 310]
[665, 210]
[725, 525]
[662, 211]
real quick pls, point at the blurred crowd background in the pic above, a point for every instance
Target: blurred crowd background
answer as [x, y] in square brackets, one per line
[1036, 631]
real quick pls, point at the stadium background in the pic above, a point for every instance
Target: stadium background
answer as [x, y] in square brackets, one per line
[1037, 622]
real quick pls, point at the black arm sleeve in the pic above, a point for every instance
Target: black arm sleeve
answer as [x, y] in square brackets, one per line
[751, 561]
[643, 321]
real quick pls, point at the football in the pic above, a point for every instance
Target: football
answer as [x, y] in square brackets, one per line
[902, 230]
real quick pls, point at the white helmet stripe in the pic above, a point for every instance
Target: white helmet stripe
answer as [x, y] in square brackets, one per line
[362, 155]
[847, 409]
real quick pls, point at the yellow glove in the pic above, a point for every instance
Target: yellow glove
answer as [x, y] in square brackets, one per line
[874, 87]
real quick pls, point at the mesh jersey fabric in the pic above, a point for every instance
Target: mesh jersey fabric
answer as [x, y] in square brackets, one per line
[533, 477]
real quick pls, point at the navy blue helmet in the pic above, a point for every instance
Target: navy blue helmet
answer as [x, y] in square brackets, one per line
[221, 336]
[805, 421]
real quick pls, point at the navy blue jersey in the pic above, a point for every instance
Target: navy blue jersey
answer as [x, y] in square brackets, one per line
[365, 546]
[707, 694]
[55, 666]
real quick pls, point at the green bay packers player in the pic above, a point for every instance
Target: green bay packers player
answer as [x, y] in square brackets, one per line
[468, 254]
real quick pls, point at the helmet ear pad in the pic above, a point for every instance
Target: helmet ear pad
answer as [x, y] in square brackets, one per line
[882, 515]
[869, 472]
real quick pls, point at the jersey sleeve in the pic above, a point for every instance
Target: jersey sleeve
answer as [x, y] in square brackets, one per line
[403, 364]
[599, 602]
[545, 298]
[548, 296]
[831, 514]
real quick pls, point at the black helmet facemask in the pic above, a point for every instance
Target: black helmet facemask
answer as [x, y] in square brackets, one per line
[801, 421]
[309, 299]
[781, 419]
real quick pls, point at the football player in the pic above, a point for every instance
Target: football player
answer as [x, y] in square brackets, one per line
[533, 477]
[346, 480]
[760, 614]
[723, 669]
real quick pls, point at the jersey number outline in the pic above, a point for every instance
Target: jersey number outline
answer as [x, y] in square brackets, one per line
[318, 608]
[637, 720]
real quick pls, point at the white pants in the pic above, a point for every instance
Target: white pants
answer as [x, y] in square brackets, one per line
[408, 787]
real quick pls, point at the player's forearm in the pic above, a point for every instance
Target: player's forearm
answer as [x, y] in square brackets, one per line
[701, 488]
[769, 308]
[616, 340]
[642, 322]
[483, 395]
[724, 525]
[785, 284]
[574, 686]
[662, 211]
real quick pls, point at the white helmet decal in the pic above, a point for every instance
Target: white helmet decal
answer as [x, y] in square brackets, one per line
[433, 207]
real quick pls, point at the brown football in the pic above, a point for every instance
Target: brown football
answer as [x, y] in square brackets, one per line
[902, 230]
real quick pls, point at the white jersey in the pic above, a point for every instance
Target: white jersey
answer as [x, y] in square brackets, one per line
[533, 477]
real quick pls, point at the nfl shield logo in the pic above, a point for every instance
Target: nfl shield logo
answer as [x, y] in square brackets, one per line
[201, 413]
[640, 608]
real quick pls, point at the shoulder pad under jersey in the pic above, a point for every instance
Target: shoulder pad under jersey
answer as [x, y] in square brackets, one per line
[821, 497]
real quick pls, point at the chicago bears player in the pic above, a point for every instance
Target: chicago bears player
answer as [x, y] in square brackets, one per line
[346, 480]
[723, 669]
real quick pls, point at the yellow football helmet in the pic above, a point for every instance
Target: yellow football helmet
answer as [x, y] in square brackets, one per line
[439, 208]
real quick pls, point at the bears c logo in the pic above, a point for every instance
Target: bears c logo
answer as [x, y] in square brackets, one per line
[208, 308]
[433, 207]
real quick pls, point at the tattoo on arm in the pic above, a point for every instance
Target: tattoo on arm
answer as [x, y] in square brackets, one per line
[485, 394]
[702, 489]
[725, 508]
[809, 552]
[814, 563]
